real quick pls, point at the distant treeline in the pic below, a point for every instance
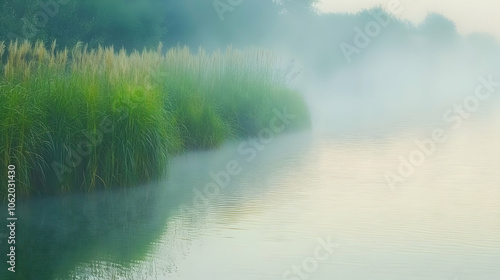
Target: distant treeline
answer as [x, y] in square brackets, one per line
[135, 24]
[324, 41]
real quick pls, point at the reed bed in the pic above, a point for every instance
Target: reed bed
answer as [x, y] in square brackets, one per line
[80, 119]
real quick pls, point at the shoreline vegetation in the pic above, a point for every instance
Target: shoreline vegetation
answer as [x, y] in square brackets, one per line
[81, 119]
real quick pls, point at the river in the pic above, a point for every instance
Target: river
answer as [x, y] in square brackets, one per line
[308, 205]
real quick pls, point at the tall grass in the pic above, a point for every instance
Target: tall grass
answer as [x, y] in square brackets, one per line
[84, 118]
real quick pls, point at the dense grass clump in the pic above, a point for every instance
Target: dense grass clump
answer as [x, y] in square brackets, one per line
[80, 119]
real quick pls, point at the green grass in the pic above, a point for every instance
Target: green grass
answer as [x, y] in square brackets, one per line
[81, 119]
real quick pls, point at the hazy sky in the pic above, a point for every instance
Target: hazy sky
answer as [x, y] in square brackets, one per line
[469, 15]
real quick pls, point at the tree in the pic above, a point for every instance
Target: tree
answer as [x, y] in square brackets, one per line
[297, 6]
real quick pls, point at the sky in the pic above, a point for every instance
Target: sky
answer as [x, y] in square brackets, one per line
[469, 15]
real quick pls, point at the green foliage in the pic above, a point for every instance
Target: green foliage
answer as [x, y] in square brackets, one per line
[130, 24]
[83, 119]
[135, 24]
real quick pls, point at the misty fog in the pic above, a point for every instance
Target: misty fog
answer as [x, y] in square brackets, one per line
[246, 139]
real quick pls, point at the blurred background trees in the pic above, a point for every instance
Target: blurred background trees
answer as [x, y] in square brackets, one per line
[292, 27]
[134, 24]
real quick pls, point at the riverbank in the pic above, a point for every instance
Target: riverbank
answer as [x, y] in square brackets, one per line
[81, 119]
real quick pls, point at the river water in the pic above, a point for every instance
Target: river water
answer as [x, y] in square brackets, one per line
[309, 205]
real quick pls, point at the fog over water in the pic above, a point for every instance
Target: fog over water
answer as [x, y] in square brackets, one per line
[397, 178]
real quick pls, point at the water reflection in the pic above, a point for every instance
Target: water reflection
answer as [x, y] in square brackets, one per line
[441, 223]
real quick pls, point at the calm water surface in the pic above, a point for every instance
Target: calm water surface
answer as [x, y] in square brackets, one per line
[442, 222]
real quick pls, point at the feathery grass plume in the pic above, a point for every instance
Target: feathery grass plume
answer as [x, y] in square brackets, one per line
[2, 50]
[80, 119]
